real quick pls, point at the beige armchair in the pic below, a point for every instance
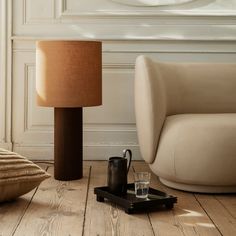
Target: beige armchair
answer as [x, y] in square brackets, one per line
[186, 123]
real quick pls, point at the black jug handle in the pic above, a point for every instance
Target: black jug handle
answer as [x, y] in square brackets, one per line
[130, 157]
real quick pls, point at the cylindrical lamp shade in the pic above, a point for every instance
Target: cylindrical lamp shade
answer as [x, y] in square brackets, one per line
[69, 73]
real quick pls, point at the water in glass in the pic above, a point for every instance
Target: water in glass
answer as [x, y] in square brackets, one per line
[141, 188]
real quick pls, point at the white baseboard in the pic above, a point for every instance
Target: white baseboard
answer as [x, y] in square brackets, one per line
[98, 152]
[7, 146]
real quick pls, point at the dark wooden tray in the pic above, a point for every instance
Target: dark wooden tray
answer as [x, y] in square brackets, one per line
[132, 204]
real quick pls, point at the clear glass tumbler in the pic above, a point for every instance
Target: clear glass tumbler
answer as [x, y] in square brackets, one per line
[141, 182]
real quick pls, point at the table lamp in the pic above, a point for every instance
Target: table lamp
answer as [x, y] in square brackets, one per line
[68, 77]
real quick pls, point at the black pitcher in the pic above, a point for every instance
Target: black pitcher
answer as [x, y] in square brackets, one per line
[117, 173]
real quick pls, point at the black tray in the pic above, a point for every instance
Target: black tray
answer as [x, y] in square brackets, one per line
[132, 204]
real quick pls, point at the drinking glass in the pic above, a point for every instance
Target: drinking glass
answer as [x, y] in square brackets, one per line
[141, 182]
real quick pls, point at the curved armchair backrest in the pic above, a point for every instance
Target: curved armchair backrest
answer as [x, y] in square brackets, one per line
[150, 106]
[163, 89]
[198, 87]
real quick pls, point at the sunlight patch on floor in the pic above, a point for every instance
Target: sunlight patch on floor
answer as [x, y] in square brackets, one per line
[190, 213]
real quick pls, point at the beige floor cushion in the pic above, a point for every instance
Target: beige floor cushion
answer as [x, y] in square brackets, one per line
[18, 175]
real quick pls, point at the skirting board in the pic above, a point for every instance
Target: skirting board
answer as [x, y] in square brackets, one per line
[7, 146]
[99, 152]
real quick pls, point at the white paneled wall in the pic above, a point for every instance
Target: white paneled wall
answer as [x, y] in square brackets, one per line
[202, 30]
[5, 84]
[2, 75]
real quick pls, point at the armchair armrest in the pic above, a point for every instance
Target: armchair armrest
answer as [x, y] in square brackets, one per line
[150, 106]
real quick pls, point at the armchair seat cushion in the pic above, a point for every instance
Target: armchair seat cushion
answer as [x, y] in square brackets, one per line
[198, 149]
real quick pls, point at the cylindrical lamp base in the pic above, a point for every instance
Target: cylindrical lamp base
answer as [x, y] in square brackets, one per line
[68, 143]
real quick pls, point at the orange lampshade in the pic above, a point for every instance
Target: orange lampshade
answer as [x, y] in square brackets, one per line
[69, 73]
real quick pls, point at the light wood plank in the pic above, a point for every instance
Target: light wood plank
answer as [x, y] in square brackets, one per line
[97, 220]
[137, 224]
[187, 217]
[12, 212]
[107, 219]
[229, 202]
[218, 209]
[57, 208]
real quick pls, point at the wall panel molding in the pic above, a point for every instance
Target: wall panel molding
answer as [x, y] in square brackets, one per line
[108, 20]
[109, 128]
[5, 98]
[2, 70]
[27, 44]
[104, 8]
[31, 11]
[201, 31]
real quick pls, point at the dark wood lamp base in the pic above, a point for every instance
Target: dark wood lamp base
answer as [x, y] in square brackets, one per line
[68, 143]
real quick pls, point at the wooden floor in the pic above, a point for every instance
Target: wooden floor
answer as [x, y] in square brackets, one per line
[70, 208]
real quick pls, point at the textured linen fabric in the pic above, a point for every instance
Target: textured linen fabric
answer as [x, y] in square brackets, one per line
[186, 123]
[18, 175]
[150, 106]
[68, 73]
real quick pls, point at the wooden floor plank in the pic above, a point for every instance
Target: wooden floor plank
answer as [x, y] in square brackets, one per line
[57, 208]
[97, 220]
[218, 209]
[137, 224]
[187, 217]
[12, 212]
[107, 219]
[229, 202]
